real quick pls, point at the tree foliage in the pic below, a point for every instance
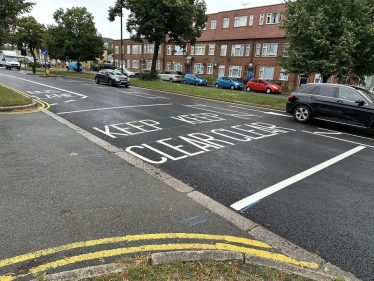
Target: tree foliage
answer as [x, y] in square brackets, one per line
[74, 37]
[29, 35]
[329, 37]
[158, 22]
[9, 10]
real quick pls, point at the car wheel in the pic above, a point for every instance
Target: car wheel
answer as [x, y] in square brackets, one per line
[184, 82]
[126, 86]
[217, 85]
[248, 89]
[302, 113]
[197, 83]
[110, 82]
[171, 80]
[232, 87]
[19, 68]
[97, 80]
[268, 91]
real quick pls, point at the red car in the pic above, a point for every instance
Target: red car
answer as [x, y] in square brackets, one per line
[261, 85]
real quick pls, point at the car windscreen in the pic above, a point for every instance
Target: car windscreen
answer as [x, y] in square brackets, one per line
[234, 79]
[115, 72]
[197, 76]
[10, 58]
[365, 93]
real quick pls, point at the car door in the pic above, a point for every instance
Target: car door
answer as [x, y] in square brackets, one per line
[349, 110]
[321, 99]
[261, 85]
[253, 85]
[189, 78]
[101, 75]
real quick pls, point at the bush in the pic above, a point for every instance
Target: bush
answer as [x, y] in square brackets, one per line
[210, 80]
[148, 76]
[37, 65]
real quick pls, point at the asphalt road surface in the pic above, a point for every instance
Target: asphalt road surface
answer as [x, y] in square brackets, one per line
[309, 183]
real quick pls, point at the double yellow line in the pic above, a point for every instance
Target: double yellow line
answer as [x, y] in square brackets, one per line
[43, 105]
[224, 245]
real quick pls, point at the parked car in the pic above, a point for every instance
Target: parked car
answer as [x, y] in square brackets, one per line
[263, 85]
[112, 77]
[171, 75]
[332, 102]
[106, 65]
[142, 71]
[194, 80]
[127, 72]
[74, 66]
[228, 82]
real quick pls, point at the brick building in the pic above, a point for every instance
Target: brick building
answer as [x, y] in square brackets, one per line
[242, 43]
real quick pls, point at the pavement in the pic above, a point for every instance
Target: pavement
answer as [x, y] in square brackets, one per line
[71, 200]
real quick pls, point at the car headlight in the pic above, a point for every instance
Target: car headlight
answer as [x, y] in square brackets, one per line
[116, 79]
[275, 87]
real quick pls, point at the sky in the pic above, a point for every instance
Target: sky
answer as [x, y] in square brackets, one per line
[44, 9]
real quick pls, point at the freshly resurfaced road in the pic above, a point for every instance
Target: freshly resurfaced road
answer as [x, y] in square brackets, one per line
[312, 183]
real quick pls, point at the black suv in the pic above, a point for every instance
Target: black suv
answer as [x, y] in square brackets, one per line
[331, 102]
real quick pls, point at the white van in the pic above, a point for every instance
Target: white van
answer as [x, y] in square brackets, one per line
[9, 60]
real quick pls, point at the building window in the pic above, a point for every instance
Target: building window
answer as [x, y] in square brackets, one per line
[159, 49]
[221, 70]
[269, 49]
[250, 20]
[169, 50]
[136, 49]
[258, 50]
[210, 68]
[116, 50]
[261, 21]
[128, 49]
[168, 66]
[135, 64]
[198, 68]
[149, 48]
[158, 65]
[123, 49]
[211, 49]
[273, 18]
[200, 49]
[240, 21]
[116, 63]
[128, 63]
[317, 78]
[178, 50]
[235, 71]
[149, 64]
[213, 24]
[178, 66]
[247, 50]
[204, 28]
[237, 50]
[192, 50]
[266, 72]
[226, 23]
[285, 50]
[283, 75]
[223, 50]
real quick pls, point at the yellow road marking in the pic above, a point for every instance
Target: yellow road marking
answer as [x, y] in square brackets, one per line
[162, 247]
[130, 238]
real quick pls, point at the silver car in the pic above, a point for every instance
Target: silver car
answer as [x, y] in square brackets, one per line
[171, 76]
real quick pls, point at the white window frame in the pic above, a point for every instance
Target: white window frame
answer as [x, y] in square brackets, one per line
[204, 28]
[261, 21]
[168, 65]
[250, 22]
[159, 49]
[169, 50]
[178, 66]
[221, 69]
[226, 23]
[240, 21]
[198, 68]
[178, 50]
[213, 24]
[135, 64]
[150, 48]
[273, 18]
[149, 64]
[223, 51]
[192, 50]
[209, 68]
[128, 63]
[283, 75]
[116, 63]
[116, 50]
[258, 50]
[200, 50]
[135, 49]
[263, 70]
[123, 49]
[237, 50]
[211, 49]
[247, 50]
[269, 49]
[158, 65]
[236, 68]
[128, 49]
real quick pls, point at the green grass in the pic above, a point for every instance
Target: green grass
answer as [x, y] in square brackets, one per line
[63, 72]
[9, 97]
[140, 269]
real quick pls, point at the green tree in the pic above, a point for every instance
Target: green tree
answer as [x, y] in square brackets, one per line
[158, 22]
[9, 10]
[110, 50]
[28, 35]
[329, 37]
[74, 37]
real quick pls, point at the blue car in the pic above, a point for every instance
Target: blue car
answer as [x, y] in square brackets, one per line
[74, 66]
[228, 82]
[194, 80]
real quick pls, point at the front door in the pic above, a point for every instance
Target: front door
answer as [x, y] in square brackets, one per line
[249, 74]
[188, 70]
[303, 80]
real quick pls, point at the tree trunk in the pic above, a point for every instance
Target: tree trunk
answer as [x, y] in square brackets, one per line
[78, 68]
[154, 59]
[34, 57]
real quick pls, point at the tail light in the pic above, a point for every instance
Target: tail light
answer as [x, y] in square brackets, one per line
[290, 97]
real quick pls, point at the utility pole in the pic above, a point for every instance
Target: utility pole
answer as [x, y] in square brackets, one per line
[121, 40]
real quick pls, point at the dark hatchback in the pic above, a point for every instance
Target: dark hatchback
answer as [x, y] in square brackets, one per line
[112, 77]
[334, 103]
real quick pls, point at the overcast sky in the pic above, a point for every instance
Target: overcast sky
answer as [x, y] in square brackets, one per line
[44, 9]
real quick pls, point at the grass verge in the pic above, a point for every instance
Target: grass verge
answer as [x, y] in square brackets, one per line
[9, 97]
[62, 72]
[140, 269]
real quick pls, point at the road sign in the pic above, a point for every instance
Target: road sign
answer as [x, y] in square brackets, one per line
[44, 52]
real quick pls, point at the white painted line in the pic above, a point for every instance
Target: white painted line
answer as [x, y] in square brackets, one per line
[82, 96]
[341, 133]
[279, 114]
[274, 188]
[322, 134]
[53, 103]
[108, 108]
[238, 114]
[247, 108]
[69, 100]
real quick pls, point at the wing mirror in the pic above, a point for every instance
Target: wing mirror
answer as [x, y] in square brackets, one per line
[360, 102]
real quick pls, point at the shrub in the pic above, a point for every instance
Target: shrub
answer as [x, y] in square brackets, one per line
[148, 76]
[37, 65]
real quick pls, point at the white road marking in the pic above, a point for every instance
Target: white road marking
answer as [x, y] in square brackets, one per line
[238, 114]
[53, 103]
[279, 186]
[279, 114]
[341, 133]
[108, 108]
[82, 96]
[69, 100]
[246, 108]
[146, 96]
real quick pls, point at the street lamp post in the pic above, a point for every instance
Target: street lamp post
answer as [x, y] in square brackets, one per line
[121, 40]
